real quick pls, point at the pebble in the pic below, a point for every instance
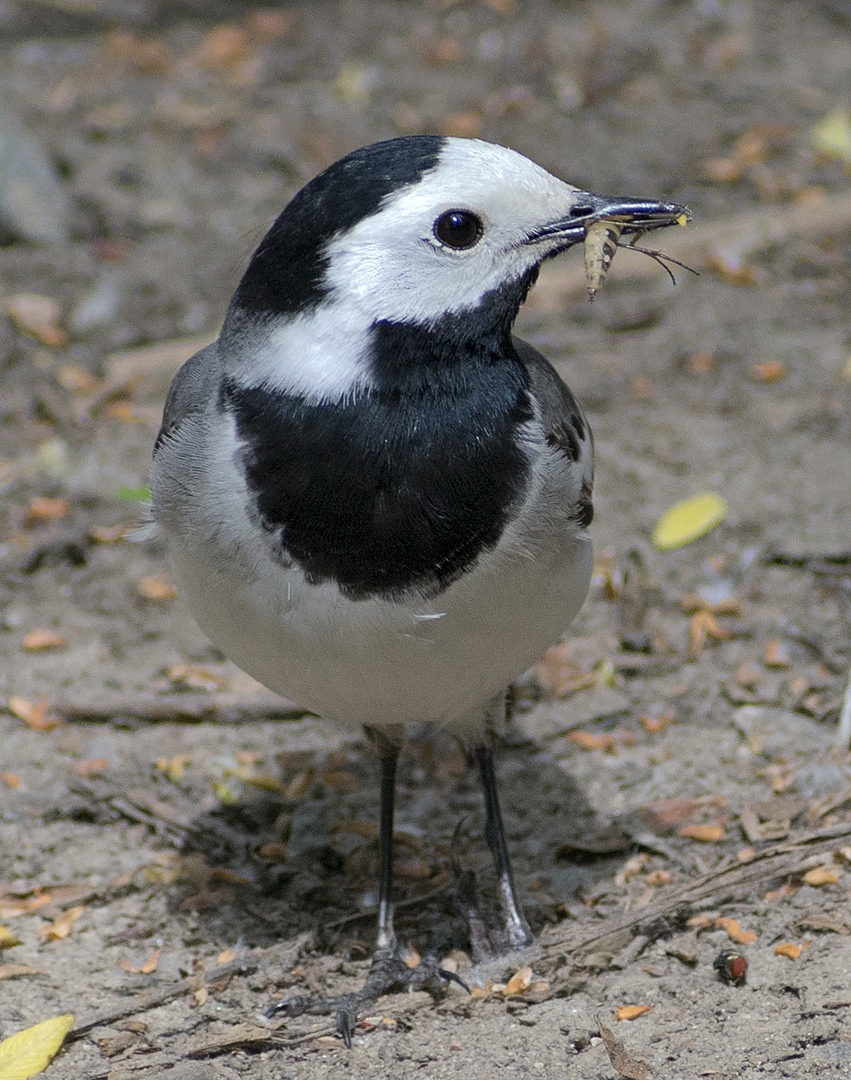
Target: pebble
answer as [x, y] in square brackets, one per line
[34, 206]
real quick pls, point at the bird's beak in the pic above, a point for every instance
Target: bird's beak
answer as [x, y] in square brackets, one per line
[633, 215]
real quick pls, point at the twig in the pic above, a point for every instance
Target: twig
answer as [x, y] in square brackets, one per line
[720, 886]
[820, 564]
[150, 999]
[191, 708]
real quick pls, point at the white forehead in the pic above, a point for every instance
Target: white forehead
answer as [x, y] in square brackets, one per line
[390, 266]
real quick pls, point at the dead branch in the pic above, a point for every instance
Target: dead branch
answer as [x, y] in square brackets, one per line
[568, 944]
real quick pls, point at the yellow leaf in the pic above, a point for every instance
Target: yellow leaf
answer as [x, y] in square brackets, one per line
[821, 875]
[29, 1052]
[632, 1012]
[832, 134]
[689, 520]
[7, 938]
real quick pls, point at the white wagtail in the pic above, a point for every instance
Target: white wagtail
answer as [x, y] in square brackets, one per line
[377, 499]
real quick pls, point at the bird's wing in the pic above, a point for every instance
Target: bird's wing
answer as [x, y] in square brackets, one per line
[563, 421]
[565, 427]
[194, 388]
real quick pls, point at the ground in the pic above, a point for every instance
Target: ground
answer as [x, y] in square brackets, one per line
[205, 849]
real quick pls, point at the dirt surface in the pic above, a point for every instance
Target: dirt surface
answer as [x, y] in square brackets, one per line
[225, 858]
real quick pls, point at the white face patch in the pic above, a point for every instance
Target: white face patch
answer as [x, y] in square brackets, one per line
[391, 266]
[321, 356]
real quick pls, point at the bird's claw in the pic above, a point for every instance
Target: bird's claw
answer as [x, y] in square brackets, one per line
[388, 973]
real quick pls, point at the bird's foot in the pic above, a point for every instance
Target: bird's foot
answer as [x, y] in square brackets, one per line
[488, 941]
[391, 972]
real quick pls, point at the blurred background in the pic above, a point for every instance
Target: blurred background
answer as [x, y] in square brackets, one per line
[145, 148]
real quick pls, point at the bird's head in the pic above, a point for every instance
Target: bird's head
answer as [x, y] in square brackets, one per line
[420, 227]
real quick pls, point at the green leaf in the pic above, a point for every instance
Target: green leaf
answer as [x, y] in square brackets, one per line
[137, 494]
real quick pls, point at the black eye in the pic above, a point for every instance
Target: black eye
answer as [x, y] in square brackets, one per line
[458, 229]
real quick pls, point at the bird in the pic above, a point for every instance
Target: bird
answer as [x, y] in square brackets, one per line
[375, 497]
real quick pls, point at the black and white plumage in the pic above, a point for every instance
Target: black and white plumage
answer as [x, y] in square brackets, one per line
[376, 498]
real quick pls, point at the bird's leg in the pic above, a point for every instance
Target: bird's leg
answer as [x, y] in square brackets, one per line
[517, 932]
[389, 971]
[386, 938]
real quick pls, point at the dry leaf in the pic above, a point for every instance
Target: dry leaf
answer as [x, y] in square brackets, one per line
[412, 958]
[776, 655]
[273, 852]
[700, 363]
[704, 625]
[11, 780]
[150, 965]
[23, 905]
[300, 784]
[195, 677]
[125, 412]
[788, 949]
[33, 713]
[624, 1064]
[43, 509]
[821, 875]
[687, 521]
[110, 534]
[110, 1045]
[632, 1012]
[655, 724]
[691, 602]
[226, 956]
[174, 767]
[156, 587]
[705, 834]
[664, 815]
[40, 640]
[735, 931]
[592, 742]
[77, 380]
[37, 316]
[60, 928]
[769, 371]
[519, 983]
[225, 46]
[560, 674]
[91, 767]
[731, 269]
[29, 1052]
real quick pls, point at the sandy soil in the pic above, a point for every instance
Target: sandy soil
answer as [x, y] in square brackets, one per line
[224, 858]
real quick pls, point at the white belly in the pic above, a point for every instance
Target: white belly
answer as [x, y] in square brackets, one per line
[381, 663]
